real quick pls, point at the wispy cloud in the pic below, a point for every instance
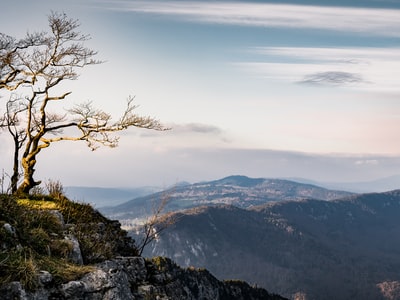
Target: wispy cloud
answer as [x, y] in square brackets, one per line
[356, 55]
[190, 133]
[364, 68]
[332, 78]
[371, 21]
[187, 129]
[196, 128]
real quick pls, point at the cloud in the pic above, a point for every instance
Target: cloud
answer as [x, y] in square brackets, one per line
[185, 129]
[359, 55]
[365, 68]
[196, 128]
[371, 21]
[184, 134]
[332, 78]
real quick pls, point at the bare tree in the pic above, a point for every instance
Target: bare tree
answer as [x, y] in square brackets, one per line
[155, 224]
[11, 122]
[36, 66]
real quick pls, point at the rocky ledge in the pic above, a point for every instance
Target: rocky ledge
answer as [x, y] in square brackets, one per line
[139, 278]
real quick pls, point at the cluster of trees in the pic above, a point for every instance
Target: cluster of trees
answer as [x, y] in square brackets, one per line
[32, 70]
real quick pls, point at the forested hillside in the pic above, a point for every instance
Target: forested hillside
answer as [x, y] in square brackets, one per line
[340, 249]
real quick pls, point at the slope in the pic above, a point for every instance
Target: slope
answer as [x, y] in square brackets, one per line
[340, 249]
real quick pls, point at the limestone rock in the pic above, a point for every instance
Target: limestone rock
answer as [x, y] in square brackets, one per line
[76, 254]
[134, 278]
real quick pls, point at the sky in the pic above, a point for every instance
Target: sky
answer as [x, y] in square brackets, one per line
[306, 89]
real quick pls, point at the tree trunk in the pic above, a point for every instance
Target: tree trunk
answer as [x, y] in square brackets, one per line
[28, 164]
[15, 175]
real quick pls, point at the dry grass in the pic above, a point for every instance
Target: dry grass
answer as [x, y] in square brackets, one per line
[39, 244]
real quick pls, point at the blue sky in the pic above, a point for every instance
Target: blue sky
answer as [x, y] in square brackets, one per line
[260, 88]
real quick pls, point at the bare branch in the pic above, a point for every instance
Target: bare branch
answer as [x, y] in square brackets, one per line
[156, 223]
[95, 126]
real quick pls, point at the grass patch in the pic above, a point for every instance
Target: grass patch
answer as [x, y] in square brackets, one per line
[38, 204]
[19, 266]
[32, 239]
[62, 270]
[24, 265]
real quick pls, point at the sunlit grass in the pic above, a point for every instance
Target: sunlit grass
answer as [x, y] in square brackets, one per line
[38, 204]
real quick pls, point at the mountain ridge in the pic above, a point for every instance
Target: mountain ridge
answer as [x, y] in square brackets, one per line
[378, 185]
[238, 190]
[112, 196]
[340, 249]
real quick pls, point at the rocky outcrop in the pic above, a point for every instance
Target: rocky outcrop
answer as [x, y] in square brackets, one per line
[137, 278]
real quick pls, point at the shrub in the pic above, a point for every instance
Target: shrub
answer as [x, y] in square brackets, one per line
[55, 189]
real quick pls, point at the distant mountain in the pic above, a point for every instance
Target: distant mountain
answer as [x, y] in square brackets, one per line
[378, 185]
[340, 249]
[240, 191]
[100, 197]
[373, 186]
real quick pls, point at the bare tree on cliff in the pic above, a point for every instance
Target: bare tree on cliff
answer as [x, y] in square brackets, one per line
[158, 221]
[35, 66]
